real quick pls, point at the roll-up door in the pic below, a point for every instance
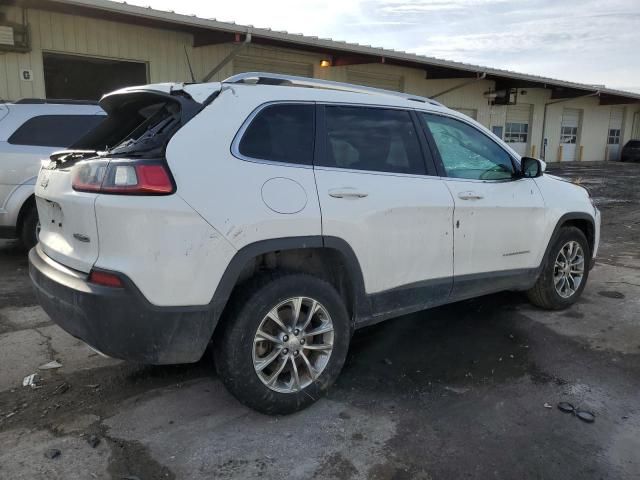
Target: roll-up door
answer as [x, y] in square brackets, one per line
[376, 80]
[244, 63]
[517, 126]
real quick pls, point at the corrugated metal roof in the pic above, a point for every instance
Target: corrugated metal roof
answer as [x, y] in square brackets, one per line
[329, 44]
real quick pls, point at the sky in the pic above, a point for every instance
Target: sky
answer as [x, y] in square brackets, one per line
[586, 41]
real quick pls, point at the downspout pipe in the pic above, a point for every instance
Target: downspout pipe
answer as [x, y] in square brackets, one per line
[236, 49]
[460, 85]
[544, 117]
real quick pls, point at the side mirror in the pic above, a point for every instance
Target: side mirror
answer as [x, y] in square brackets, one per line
[531, 167]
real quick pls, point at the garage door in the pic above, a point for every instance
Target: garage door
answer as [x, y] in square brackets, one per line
[376, 80]
[469, 112]
[87, 78]
[569, 134]
[614, 133]
[517, 127]
[260, 64]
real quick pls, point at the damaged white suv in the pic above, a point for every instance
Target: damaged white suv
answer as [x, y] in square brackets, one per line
[272, 220]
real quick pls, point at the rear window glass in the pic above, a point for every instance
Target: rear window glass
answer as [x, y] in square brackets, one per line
[139, 124]
[281, 133]
[54, 130]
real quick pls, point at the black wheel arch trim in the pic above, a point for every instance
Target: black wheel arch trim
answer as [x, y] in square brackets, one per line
[229, 279]
[567, 217]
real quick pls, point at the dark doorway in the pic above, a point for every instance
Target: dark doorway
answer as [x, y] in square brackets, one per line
[86, 78]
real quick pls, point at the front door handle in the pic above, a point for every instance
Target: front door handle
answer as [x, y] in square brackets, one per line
[347, 192]
[470, 196]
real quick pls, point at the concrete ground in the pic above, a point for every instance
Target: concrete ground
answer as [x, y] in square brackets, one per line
[464, 391]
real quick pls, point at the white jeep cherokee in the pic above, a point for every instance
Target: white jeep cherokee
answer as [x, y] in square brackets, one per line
[273, 220]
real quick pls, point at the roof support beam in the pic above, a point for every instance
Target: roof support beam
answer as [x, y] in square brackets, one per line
[460, 85]
[344, 60]
[568, 93]
[212, 37]
[612, 100]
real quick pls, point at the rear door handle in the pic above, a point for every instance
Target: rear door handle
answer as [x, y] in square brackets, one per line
[347, 192]
[470, 196]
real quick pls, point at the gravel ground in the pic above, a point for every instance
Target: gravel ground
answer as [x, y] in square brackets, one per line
[457, 391]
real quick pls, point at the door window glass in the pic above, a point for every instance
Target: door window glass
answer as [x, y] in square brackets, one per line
[281, 133]
[375, 139]
[54, 130]
[466, 152]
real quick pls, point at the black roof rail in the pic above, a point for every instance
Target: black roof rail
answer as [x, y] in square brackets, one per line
[61, 101]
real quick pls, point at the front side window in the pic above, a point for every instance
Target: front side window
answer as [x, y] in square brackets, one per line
[374, 139]
[466, 152]
[54, 130]
[281, 133]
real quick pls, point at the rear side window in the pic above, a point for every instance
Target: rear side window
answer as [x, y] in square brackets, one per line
[374, 139]
[54, 130]
[281, 133]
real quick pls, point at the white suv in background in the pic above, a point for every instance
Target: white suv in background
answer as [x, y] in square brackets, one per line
[30, 130]
[273, 220]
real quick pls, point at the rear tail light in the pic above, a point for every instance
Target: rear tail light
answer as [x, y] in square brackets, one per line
[105, 279]
[122, 177]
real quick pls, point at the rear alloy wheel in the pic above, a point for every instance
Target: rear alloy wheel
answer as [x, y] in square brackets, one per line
[564, 274]
[282, 342]
[293, 344]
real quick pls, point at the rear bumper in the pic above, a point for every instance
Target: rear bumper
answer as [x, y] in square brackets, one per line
[119, 322]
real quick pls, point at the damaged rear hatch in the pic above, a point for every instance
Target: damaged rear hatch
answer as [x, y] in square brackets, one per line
[123, 155]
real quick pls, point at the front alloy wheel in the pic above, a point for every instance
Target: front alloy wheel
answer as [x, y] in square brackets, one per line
[569, 269]
[293, 344]
[564, 271]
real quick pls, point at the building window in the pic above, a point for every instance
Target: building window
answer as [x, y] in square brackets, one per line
[516, 132]
[614, 136]
[569, 135]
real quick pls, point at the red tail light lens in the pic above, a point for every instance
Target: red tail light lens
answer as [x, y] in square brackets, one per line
[122, 177]
[105, 279]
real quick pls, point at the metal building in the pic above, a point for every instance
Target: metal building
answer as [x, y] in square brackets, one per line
[84, 48]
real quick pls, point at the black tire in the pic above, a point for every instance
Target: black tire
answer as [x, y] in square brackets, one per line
[544, 294]
[29, 228]
[234, 340]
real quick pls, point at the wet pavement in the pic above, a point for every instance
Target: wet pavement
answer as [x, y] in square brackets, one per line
[455, 392]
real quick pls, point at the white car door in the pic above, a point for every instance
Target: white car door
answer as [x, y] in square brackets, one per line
[499, 219]
[376, 195]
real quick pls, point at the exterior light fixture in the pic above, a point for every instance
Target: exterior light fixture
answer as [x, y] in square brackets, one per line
[325, 63]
